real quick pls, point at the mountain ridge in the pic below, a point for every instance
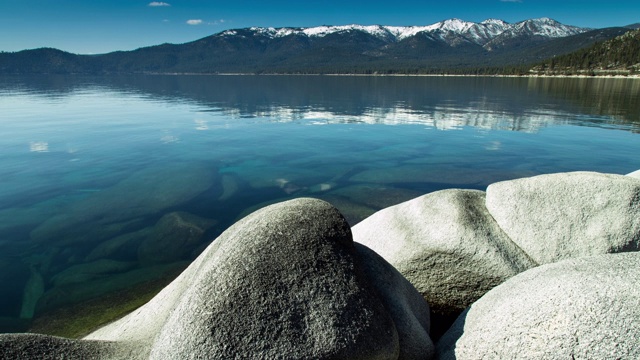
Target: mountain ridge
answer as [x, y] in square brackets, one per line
[479, 33]
[446, 46]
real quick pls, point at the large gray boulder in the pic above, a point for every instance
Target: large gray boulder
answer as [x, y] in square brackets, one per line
[446, 244]
[559, 216]
[586, 308]
[285, 281]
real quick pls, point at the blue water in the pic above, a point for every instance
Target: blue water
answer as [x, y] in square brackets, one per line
[109, 183]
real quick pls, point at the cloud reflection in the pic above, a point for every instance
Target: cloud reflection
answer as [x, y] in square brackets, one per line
[438, 117]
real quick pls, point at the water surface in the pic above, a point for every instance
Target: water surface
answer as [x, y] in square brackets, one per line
[109, 184]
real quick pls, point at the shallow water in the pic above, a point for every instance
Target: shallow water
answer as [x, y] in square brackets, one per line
[109, 183]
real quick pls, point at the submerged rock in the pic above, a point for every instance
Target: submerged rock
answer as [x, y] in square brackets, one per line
[352, 211]
[376, 195]
[146, 192]
[173, 238]
[447, 245]
[124, 245]
[285, 280]
[230, 187]
[586, 308]
[89, 271]
[33, 290]
[411, 173]
[100, 285]
[45, 347]
[566, 215]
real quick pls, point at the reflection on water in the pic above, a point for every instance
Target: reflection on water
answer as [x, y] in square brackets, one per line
[348, 99]
[111, 185]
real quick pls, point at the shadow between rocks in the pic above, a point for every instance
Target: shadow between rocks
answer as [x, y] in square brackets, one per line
[446, 344]
[441, 323]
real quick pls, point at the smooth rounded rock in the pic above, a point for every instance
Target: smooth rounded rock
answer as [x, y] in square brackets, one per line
[446, 244]
[286, 280]
[586, 308]
[566, 215]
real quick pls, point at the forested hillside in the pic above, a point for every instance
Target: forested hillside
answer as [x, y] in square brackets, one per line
[620, 55]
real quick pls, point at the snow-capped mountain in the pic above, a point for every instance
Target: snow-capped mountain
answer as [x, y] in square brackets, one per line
[451, 31]
[446, 46]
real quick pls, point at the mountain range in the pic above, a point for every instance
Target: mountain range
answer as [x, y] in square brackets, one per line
[446, 46]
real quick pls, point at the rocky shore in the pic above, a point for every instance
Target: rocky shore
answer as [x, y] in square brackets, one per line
[540, 267]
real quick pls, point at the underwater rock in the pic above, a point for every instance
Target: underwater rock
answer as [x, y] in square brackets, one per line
[33, 290]
[584, 308]
[322, 187]
[267, 174]
[405, 174]
[45, 347]
[565, 215]
[100, 285]
[127, 244]
[88, 271]
[352, 211]
[376, 196]
[146, 192]
[230, 187]
[173, 237]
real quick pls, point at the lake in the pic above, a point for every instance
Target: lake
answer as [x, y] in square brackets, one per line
[112, 185]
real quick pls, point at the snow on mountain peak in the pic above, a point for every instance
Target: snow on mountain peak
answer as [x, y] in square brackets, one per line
[479, 33]
[547, 27]
[455, 25]
[495, 22]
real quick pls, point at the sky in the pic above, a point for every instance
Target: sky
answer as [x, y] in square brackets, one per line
[101, 26]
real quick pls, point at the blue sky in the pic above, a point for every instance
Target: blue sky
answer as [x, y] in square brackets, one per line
[99, 26]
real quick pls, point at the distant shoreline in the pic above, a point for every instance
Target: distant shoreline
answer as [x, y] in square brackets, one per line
[631, 76]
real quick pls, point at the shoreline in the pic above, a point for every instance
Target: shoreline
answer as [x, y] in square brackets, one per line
[633, 76]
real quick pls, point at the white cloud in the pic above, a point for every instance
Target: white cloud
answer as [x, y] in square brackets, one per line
[158, 3]
[194, 22]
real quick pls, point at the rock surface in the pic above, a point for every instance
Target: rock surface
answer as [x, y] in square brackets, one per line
[446, 244]
[583, 308]
[287, 279]
[408, 309]
[635, 174]
[559, 216]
